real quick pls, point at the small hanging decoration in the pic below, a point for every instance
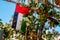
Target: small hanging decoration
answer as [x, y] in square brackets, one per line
[57, 2]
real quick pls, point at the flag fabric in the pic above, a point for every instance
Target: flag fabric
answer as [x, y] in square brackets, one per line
[18, 16]
[21, 9]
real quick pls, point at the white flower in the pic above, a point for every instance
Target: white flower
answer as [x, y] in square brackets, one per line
[14, 35]
[30, 16]
[31, 37]
[0, 28]
[17, 34]
[47, 31]
[35, 26]
[26, 19]
[55, 38]
[45, 39]
[3, 27]
[20, 36]
[12, 29]
[27, 24]
[13, 39]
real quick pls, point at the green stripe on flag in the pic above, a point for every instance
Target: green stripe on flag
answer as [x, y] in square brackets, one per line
[23, 26]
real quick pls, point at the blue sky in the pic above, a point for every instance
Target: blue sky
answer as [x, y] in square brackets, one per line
[7, 10]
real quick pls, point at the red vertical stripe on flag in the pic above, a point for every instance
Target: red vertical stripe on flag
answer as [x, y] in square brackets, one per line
[21, 9]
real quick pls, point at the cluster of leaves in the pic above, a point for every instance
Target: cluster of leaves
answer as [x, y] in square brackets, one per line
[35, 19]
[50, 36]
[46, 13]
[8, 32]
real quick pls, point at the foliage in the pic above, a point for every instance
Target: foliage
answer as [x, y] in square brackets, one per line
[39, 14]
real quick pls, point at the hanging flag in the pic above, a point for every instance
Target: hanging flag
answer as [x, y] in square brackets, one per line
[21, 9]
[18, 15]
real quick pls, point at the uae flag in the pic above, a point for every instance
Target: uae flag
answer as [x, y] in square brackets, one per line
[18, 16]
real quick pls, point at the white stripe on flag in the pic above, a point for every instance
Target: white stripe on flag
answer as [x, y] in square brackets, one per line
[18, 26]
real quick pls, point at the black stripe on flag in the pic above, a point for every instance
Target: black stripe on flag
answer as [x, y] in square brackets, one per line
[15, 20]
